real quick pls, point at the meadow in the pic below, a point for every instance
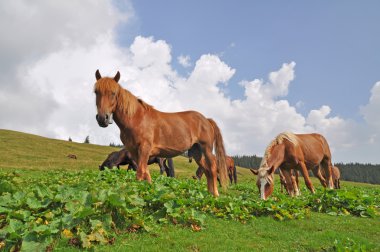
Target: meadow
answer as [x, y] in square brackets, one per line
[49, 202]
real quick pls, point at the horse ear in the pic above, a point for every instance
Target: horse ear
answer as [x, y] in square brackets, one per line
[97, 75]
[255, 172]
[117, 76]
[271, 170]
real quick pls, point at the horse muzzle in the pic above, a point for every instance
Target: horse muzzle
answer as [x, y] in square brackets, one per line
[104, 120]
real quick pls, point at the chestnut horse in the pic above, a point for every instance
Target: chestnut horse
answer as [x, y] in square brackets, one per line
[289, 151]
[335, 176]
[295, 181]
[231, 169]
[147, 132]
[123, 157]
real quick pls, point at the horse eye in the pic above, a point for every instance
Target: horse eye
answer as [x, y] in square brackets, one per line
[113, 94]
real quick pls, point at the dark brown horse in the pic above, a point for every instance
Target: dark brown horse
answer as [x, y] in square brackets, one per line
[289, 151]
[123, 157]
[147, 132]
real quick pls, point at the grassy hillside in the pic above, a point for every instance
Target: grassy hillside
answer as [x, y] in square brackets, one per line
[67, 204]
[30, 152]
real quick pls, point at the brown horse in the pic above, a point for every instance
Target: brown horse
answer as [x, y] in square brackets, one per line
[295, 181]
[294, 151]
[231, 169]
[123, 157]
[335, 176]
[147, 132]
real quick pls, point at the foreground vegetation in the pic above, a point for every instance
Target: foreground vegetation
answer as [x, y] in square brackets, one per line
[91, 208]
[69, 205]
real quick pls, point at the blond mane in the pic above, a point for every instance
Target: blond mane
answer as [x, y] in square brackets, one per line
[278, 140]
[126, 101]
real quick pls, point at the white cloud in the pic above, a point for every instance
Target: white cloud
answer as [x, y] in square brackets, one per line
[36, 82]
[371, 111]
[51, 93]
[184, 60]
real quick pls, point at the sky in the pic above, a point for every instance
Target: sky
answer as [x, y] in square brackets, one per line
[257, 67]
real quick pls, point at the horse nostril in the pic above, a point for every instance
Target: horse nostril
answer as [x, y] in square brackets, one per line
[107, 117]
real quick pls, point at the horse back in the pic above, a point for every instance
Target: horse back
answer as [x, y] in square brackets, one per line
[174, 133]
[314, 147]
[335, 172]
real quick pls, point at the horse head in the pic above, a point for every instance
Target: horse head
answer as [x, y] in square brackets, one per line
[106, 91]
[107, 163]
[264, 181]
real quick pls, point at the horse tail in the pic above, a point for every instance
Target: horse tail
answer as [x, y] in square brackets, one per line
[220, 154]
[327, 161]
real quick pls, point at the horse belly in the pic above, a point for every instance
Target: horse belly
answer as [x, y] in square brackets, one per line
[166, 152]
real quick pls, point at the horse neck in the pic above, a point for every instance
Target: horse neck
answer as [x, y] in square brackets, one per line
[276, 157]
[125, 121]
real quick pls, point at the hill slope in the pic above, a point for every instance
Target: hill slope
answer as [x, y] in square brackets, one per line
[26, 151]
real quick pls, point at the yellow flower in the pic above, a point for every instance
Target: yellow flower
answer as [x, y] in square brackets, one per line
[67, 233]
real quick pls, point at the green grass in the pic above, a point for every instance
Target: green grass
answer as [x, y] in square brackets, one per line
[31, 156]
[262, 234]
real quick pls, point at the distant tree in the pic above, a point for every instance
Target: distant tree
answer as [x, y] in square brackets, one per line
[247, 161]
[70, 140]
[116, 145]
[87, 140]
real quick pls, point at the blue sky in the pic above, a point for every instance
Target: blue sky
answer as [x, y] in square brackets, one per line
[258, 68]
[335, 44]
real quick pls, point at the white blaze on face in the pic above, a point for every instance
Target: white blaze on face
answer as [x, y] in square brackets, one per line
[263, 182]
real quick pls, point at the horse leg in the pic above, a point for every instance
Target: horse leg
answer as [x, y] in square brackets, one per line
[235, 175]
[317, 172]
[288, 179]
[295, 183]
[171, 167]
[199, 173]
[327, 167]
[296, 174]
[282, 180]
[230, 171]
[306, 177]
[211, 171]
[142, 169]
[160, 164]
[167, 170]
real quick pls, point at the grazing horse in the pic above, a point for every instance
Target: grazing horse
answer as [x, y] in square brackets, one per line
[289, 151]
[147, 132]
[231, 169]
[335, 176]
[123, 157]
[295, 181]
